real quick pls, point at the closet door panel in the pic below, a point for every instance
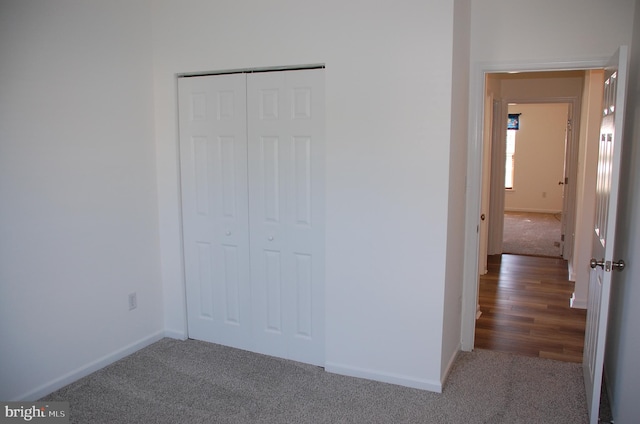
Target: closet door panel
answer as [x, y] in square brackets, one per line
[213, 162]
[286, 201]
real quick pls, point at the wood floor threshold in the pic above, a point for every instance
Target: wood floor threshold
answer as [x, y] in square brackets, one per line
[525, 309]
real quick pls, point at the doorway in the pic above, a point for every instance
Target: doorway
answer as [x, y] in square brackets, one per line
[536, 146]
[533, 154]
[490, 97]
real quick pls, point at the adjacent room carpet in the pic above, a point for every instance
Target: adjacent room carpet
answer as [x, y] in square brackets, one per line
[536, 234]
[193, 382]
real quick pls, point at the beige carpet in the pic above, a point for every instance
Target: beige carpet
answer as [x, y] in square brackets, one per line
[536, 234]
[195, 382]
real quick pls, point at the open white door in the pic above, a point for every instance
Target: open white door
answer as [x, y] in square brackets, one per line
[603, 264]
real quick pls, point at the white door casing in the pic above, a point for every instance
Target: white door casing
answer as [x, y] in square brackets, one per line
[252, 148]
[483, 230]
[568, 195]
[608, 175]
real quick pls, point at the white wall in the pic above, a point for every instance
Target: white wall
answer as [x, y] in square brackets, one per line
[78, 216]
[539, 158]
[536, 86]
[388, 128]
[524, 31]
[457, 185]
[623, 344]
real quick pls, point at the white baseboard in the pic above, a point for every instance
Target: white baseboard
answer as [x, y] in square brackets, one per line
[89, 368]
[577, 303]
[554, 211]
[173, 334]
[400, 380]
[447, 370]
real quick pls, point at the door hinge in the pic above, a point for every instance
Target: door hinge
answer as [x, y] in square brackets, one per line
[562, 237]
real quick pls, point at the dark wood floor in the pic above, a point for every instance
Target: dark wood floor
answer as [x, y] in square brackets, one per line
[525, 309]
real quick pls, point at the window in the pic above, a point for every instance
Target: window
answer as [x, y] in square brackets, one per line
[509, 164]
[513, 121]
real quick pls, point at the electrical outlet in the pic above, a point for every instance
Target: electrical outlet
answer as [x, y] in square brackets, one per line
[133, 301]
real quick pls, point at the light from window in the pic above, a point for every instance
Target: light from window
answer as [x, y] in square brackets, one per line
[509, 163]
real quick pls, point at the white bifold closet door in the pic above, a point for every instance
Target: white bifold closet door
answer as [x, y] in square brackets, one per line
[251, 155]
[213, 164]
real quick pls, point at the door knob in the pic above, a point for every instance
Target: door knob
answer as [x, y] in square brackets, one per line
[618, 265]
[608, 265]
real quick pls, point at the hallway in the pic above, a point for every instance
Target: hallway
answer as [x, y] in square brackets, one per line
[525, 309]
